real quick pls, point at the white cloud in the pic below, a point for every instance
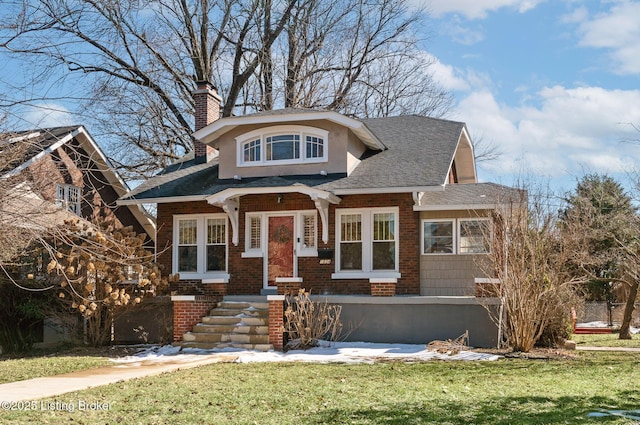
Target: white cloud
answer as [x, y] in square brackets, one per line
[447, 76]
[618, 30]
[569, 130]
[45, 115]
[478, 9]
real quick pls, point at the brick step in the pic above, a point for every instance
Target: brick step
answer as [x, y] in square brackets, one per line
[226, 338]
[241, 320]
[215, 345]
[262, 329]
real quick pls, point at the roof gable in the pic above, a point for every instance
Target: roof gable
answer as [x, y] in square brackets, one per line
[42, 142]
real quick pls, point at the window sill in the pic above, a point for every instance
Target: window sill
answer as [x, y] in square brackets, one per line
[366, 275]
[252, 254]
[222, 277]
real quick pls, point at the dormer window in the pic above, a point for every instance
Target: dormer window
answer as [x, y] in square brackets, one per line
[282, 145]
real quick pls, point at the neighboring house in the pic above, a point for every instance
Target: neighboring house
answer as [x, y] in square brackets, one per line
[66, 167]
[337, 205]
[55, 174]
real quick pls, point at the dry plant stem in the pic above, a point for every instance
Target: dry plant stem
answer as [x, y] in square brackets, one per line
[307, 322]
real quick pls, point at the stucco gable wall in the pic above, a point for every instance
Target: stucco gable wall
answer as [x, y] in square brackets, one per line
[340, 141]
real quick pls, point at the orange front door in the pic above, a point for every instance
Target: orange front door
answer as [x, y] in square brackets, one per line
[281, 243]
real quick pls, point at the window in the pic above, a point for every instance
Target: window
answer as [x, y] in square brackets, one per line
[438, 237]
[282, 145]
[475, 236]
[200, 245]
[367, 241]
[68, 196]
[216, 244]
[308, 230]
[255, 233]
[188, 245]
[251, 151]
[351, 242]
[314, 146]
[384, 245]
[461, 236]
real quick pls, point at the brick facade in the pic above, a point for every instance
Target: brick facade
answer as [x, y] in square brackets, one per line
[276, 322]
[70, 164]
[247, 273]
[188, 312]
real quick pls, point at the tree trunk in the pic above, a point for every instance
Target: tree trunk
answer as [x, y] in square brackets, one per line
[628, 312]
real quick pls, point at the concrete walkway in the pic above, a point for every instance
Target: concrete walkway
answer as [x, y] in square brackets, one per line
[32, 389]
[626, 349]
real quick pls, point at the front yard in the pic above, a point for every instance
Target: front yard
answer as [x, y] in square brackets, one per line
[508, 391]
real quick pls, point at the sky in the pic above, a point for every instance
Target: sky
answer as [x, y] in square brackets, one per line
[554, 84]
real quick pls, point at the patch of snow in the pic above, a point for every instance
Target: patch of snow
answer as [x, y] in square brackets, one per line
[326, 352]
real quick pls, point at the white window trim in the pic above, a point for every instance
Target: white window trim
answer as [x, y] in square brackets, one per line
[263, 133]
[300, 250]
[459, 248]
[202, 244]
[367, 244]
[64, 202]
[454, 228]
[456, 223]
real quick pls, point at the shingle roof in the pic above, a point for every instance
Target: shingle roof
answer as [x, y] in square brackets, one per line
[32, 142]
[472, 195]
[419, 153]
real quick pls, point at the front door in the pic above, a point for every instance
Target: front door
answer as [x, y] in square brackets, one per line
[280, 256]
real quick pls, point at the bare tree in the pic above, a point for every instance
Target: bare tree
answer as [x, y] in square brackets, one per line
[485, 150]
[141, 62]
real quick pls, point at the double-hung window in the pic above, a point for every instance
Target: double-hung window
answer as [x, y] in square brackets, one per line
[69, 196]
[200, 245]
[475, 236]
[456, 236]
[367, 242]
[283, 144]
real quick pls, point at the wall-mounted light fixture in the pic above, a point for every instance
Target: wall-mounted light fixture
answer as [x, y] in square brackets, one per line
[280, 198]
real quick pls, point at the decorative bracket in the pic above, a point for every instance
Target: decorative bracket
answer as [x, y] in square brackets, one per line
[232, 208]
[323, 208]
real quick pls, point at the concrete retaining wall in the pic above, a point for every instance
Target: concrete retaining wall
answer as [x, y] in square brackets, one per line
[417, 320]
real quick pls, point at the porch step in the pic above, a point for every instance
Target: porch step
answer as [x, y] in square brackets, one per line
[237, 322]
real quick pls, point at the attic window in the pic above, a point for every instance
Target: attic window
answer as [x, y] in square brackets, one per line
[68, 197]
[281, 145]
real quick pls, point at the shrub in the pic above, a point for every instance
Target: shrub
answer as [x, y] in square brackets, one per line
[307, 322]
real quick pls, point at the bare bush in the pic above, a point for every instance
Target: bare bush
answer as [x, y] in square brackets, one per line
[531, 280]
[307, 322]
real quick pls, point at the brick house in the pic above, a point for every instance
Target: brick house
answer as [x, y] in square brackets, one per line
[343, 207]
[64, 166]
[55, 174]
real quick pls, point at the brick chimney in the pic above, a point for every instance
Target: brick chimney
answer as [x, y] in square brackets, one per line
[207, 108]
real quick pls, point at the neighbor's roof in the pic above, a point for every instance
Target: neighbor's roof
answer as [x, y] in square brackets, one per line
[418, 153]
[36, 144]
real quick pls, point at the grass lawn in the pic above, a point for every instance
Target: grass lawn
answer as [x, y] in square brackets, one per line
[508, 391]
[26, 368]
[606, 340]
